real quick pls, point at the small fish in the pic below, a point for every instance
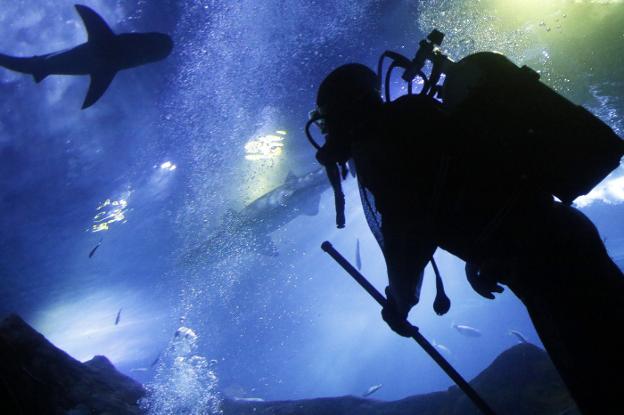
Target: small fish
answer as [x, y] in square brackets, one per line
[358, 257]
[139, 369]
[155, 360]
[118, 317]
[467, 330]
[95, 248]
[519, 335]
[442, 347]
[371, 390]
[236, 398]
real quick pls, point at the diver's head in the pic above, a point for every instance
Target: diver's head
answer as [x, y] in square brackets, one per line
[346, 98]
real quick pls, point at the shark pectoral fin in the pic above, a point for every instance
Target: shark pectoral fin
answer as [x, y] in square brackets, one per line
[97, 29]
[99, 83]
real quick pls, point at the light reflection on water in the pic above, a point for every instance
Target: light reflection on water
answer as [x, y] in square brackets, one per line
[109, 212]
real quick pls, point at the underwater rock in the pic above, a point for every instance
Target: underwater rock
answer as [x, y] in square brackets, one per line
[38, 378]
[521, 381]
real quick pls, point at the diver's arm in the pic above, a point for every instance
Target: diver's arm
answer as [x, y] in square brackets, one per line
[407, 250]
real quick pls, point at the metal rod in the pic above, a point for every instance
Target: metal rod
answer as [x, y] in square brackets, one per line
[431, 351]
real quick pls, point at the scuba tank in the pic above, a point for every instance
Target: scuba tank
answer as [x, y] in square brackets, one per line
[560, 147]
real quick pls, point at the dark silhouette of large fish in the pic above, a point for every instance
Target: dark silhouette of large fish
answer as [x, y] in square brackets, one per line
[252, 226]
[101, 57]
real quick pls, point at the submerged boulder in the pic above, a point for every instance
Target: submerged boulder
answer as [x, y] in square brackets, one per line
[521, 381]
[38, 378]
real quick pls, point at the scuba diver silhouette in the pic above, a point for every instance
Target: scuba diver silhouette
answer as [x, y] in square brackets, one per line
[472, 164]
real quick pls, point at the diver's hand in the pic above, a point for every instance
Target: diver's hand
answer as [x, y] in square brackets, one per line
[484, 278]
[396, 316]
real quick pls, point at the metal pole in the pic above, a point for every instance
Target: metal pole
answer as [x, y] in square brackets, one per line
[431, 351]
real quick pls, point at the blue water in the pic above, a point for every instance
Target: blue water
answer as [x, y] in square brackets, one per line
[165, 147]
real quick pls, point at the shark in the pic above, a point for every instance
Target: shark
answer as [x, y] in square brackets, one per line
[101, 57]
[251, 227]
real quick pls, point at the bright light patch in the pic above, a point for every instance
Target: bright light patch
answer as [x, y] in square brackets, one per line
[159, 184]
[552, 37]
[167, 165]
[610, 191]
[109, 212]
[542, 8]
[84, 325]
[265, 147]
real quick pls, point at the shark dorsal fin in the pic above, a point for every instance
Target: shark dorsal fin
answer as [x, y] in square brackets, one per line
[97, 29]
[99, 83]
